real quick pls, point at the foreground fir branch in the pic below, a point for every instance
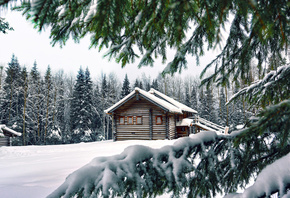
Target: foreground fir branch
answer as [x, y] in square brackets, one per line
[143, 171]
[201, 165]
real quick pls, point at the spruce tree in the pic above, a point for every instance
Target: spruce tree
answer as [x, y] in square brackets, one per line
[193, 99]
[34, 105]
[136, 84]
[25, 84]
[88, 105]
[97, 118]
[154, 84]
[77, 111]
[187, 97]
[4, 26]
[126, 87]
[12, 105]
[48, 104]
[58, 117]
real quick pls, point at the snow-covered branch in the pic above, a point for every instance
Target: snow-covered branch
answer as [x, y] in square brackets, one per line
[138, 170]
[274, 178]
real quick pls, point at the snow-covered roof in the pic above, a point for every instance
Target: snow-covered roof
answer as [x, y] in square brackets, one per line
[158, 101]
[3, 129]
[185, 122]
[172, 101]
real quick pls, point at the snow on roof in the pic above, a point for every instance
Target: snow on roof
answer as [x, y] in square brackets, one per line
[204, 126]
[185, 122]
[3, 127]
[170, 107]
[172, 101]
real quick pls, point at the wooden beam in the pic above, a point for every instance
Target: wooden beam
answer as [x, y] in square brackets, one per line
[114, 129]
[150, 124]
[175, 130]
[167, 125]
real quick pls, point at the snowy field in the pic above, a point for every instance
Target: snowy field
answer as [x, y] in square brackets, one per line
[35, 171]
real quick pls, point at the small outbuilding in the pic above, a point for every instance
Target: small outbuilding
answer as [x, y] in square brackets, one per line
[6, 134]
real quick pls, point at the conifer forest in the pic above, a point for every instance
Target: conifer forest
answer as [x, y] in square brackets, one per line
[54, 108]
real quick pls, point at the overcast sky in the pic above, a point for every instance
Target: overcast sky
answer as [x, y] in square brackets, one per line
[29, 45]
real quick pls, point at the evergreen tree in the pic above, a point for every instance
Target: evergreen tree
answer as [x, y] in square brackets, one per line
[193, 99]
[58, 117]
[4, 26]
[1, 93]
[105, 104]
[126, 87]
[136, 84]
[24, 83]
[78, 111]
[88, 105]
[97, 121]
[222, 113]
[187, 97]
[11, 107]
[147, 87]
[1, 76]
[155, 84]
[48, 103]
[202, 103]
[34, 105]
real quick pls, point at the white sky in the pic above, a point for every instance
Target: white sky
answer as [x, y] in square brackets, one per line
[29, 45]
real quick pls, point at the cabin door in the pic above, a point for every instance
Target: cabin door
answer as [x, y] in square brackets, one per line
[182, 131]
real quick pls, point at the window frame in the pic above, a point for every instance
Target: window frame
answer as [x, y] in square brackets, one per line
[123, 120]
[128, 117]
[137, 120]
[161, 119]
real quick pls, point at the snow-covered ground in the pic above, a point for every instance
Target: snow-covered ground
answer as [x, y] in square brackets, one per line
[35, 171]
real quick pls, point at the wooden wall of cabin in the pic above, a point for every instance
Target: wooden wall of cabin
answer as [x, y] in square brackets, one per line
[172, 127]
[136, 108]
[5, 141]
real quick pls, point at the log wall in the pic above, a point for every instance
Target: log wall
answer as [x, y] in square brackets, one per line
[4, 141]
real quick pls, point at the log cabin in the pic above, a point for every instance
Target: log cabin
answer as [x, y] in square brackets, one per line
[150, 115]
[6, 134]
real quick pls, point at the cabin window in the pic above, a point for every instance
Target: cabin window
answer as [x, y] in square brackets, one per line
[130, 119]
[158, 120]
[138, 119]
[122, 120]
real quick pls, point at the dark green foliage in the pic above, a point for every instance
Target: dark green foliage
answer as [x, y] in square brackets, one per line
[34, 107]
[258, 30]
[126, 87]
[81, 108]
[138, 83]
[12, 102]
[193, 99]
[155, 84]
[4, 26]
[187, 98]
